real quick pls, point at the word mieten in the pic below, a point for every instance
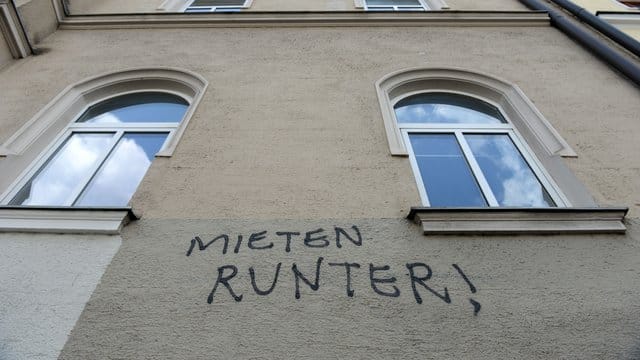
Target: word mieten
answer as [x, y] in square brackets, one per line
[311, 239]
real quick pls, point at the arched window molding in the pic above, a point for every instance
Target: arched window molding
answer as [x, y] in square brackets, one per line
[41, 136]
[76, 98]
[577, 212]
[508, 97]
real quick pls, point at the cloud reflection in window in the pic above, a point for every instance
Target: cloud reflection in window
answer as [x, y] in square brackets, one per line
[511, 179]
[119, 177]
[445, 108]
[65, 170]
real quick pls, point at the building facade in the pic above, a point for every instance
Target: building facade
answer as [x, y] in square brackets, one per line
[319, 179]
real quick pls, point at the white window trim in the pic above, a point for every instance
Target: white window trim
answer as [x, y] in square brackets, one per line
[510, 221]
[40, 136]
[182, 5]
[426, 5]
[64, 219]
[541, 173]
[626, 7]
[74, 99]
[518, 108]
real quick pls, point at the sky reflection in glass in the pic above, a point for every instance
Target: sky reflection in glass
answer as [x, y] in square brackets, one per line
[446, 108]
[118, 179]
[511, 179]
[65, 170]
[137, 108]
[445, 172]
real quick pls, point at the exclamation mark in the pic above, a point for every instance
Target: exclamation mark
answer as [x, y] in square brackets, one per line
[476, 305]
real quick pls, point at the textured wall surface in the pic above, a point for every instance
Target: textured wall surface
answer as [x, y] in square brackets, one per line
[291, 115]
[289, 137]
[5, 53]
[45, 281]
[539, 297]
[145, 6]
[38, 18]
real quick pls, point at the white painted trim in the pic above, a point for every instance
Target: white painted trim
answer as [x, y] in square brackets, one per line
[67, 105]
[60, 9]
[86, 221]
[426, 5]
[630, 20]
[182, 5]
[537, 136]
[623, 6]
[518, 108]
[479, 221]
[171, 5]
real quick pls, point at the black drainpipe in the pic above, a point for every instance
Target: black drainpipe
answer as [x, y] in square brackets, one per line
[604, 27]
[594, 43]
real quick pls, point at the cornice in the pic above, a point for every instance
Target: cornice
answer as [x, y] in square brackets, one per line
[307, 19]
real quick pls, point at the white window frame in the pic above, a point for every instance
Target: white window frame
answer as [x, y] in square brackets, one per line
[208, 9]
[26, 151]
[117, 129]
[535, 132]
[423, 7]
[538, 142]
[459, 130]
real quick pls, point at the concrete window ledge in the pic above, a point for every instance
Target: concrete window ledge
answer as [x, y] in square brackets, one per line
[457, 221]
[68, 220]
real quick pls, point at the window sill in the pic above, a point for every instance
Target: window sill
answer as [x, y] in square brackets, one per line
[68, 220]
[458, 221]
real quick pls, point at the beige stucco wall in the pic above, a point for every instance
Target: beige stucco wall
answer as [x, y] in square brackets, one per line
[541, 297]
[46, 280]
[123, 6]
[289, 137]
[601, 5]
[5, 52]
[312, 91]
[39, 19]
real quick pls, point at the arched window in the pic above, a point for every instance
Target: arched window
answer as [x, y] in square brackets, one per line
[484, 158]
[103, 150]
[103, 155]
[476, 141]
[465, 153]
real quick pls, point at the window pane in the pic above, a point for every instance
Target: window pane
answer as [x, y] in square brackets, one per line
[119, 177]
[446, 108]
[138, 107]
[65, 170]
[218, 3]
[393, 2]
[445, 172]
[511, 179]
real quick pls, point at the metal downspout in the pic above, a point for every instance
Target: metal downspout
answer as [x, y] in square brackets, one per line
[604, 27]
[600, 47]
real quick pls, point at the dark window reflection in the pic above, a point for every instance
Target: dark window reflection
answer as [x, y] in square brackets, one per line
[137, 108]
[446, 108]
[445, 172]
[117, 180]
